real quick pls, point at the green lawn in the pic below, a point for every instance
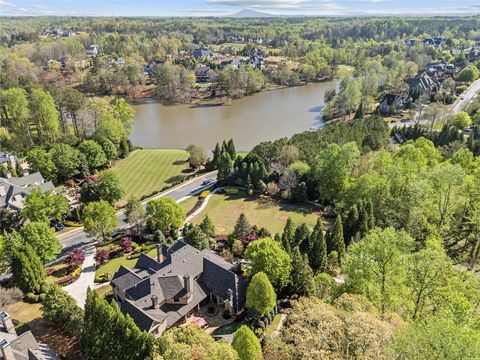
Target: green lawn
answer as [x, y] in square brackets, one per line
[113, 265]
[224, 211]
[149, 170]
[344, 71]
[273, 325]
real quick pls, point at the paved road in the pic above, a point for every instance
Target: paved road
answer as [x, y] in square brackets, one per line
[78, 237]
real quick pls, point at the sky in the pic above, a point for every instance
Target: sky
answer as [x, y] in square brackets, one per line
[228, 7]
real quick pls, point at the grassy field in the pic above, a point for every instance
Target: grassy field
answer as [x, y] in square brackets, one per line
[149, 170]
[344, 71]
[224, 210]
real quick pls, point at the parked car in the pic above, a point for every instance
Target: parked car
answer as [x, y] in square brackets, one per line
[58, 226]
[207, 181]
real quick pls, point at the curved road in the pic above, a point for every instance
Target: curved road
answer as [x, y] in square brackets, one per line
[78, 237]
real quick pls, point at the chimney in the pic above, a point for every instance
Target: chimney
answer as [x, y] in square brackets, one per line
[160, 257]
[7, 323]
[6, 350]
[155, 302]
[187, 283]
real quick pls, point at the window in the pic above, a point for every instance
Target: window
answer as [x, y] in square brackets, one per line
[176, 300]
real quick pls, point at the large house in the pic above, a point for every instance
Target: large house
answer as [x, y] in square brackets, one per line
[14, 190]
[393, 102]
[92, 50]
[162, 293]
[423, 84]
[202, 53]
[7, 159]
[21, 347]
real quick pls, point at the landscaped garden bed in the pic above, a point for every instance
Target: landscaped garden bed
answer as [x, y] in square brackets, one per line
[125, 252]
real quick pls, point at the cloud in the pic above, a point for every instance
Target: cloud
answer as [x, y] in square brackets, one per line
[6, 3]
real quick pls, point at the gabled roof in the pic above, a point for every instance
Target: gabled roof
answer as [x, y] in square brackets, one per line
[16, 189]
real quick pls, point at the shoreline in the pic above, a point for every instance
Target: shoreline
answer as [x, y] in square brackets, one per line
[213, 101]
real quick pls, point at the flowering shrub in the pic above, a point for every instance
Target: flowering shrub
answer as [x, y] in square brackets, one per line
[102, 257]
[250, 237]
[126, 244]
[76, 258]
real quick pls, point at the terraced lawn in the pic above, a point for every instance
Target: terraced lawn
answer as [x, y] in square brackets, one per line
[148, 170]
[224, 211]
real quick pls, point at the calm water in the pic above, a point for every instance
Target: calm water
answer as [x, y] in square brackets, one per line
[265, 116]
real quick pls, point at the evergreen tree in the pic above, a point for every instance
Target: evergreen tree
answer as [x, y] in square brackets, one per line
[317, 256]
[27, 268]
[225, 167]
[261, 297]
[363, 221]
[247, 344]
[231, 149]
[207, 226]
[194, 235]
[110, 335]
[371, 215]
[336, 242]
[302, 275]
[213, 164]
[288, 235]
[351, 224]
[242, 227]
[302, 238]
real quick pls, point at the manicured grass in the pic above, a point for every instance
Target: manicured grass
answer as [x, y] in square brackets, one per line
[113, 265]
[224, 211]
[344, 71]
[273, 326]
[103, 290]
[229, 328]
[24, 312]
[61, 271]
[146, 171]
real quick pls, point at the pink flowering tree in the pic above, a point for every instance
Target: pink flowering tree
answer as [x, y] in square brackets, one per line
[126, 244]
[76, 258]
[250, 237]
[102, 256]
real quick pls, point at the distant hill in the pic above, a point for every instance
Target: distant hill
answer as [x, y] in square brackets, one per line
[247, 13]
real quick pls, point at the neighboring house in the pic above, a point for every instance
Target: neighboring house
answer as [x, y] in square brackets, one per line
[162, 293]
[436, 41]
[439, 70]
[21, 347]
[202, 53]
[14, 190]
[423, 84]
[8, 159]
[68, 33]
[148, 69]
[92, 50]
[411, 42]
[393, 102]
[235, 39]
[473, 54]
[204, 74]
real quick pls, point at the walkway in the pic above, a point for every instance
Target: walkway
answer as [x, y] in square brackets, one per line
[78, 289]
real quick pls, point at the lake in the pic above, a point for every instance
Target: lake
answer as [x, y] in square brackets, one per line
[264, 116]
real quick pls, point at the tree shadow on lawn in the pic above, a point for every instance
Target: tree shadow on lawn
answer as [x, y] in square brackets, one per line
[180, 162]
[63, 343]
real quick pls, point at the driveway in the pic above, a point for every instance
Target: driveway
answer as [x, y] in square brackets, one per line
[78, 290]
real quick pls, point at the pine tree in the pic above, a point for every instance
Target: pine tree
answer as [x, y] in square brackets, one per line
[247, 345]
[288, 235]
[27, 268]
[109, 335]
[242, 227]
[231, 149]
[317, 256]
[207, 226]
[336, 239]
[225, 167]
[213, 165]
[302, 274]
[351, 224]
[302, 238]
[363, 221]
